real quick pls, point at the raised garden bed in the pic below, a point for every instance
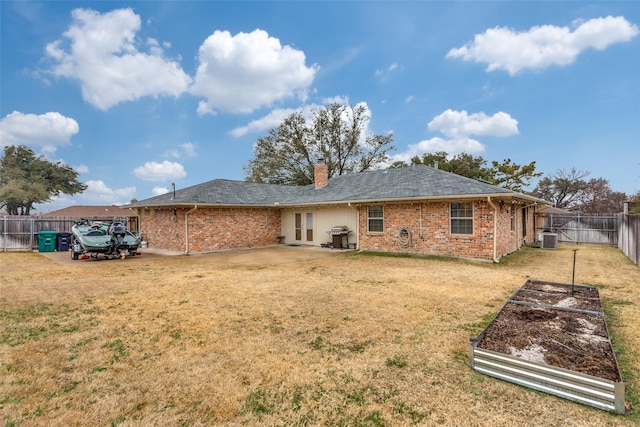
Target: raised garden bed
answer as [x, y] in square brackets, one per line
[553, 337]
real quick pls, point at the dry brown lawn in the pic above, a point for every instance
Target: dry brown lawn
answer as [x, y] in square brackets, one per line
[349, 340]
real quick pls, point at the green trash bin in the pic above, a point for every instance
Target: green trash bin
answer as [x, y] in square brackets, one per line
[47, 241]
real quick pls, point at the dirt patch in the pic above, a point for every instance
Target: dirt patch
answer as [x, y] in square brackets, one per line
[545, 323]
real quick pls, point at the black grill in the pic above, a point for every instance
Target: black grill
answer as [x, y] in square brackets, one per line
[339, 229]
[339, 236]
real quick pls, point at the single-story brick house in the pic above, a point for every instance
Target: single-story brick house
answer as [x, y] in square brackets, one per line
[416, 209]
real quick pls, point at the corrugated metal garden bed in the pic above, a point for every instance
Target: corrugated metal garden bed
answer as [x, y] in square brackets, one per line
[553, 337]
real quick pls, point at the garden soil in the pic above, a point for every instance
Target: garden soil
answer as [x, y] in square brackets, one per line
[555, 324]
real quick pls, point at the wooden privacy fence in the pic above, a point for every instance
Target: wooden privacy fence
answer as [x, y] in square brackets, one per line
[20, 233]
[582, 228]
[629, 236]
[619, 230]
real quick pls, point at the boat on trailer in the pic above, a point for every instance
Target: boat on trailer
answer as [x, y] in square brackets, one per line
[111, 240]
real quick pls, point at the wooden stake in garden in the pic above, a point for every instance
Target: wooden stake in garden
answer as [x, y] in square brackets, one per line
[573, 276]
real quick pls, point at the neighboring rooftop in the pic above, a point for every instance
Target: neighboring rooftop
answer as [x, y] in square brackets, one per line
[89, 212]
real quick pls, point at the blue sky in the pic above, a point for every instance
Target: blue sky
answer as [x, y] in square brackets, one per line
[138, 95]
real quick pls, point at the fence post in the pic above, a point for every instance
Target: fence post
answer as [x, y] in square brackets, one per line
[629, 236]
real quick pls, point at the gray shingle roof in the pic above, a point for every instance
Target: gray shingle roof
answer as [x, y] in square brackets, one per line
[409, 183]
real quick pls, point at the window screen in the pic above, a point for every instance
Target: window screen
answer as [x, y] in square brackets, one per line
[462, 218]
[376, 218]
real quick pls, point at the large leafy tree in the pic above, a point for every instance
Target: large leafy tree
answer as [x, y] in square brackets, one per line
[513, 176]
[335, 133]
[563, 188]
[598, 197]
[635, 203]
[462, 164]
[572, 191]
[506, 174]
[27, 179]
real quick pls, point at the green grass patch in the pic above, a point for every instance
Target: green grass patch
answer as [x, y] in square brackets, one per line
[522, 257]
[259, 403]
[34, 323]
[480, 325]
[118, 348]
[396, 362]
[406, 255]
[612, 307]
[404, 410]
[323, 344]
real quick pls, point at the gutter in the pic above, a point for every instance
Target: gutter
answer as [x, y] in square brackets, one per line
[267, 204]
[495, 228]
[186, 229]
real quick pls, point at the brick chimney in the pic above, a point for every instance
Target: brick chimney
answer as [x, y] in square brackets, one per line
[321, 174]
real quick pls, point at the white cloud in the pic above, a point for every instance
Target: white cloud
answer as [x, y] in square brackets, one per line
[273, 119]
[383, 75]
[450, 146]
[344, 100]
[81, 168]
[154, 47]
[460, 123]
[458, 127]
[543, 46]
[47, 131]
[276, 117]
[242, 73]
[102, 54]
[187, 149]
[157, 191]
[98, 192]
[153, 171]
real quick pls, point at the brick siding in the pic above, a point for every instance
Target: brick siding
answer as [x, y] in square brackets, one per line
[213, 229]
[428, 224]
[210, 229]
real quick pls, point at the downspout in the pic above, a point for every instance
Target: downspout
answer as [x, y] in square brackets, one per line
[420, 221]
[495, 229]
[357, 224]
[186, 229]
[516, 219]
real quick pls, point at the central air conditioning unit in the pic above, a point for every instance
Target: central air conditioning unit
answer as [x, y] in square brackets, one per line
[549, 241]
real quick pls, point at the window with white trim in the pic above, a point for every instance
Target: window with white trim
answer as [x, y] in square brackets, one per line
[375, 218]
[461, 218]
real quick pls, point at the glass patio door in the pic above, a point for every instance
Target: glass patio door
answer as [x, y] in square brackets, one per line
[304, 223]
[298, 225]
[309, 227]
